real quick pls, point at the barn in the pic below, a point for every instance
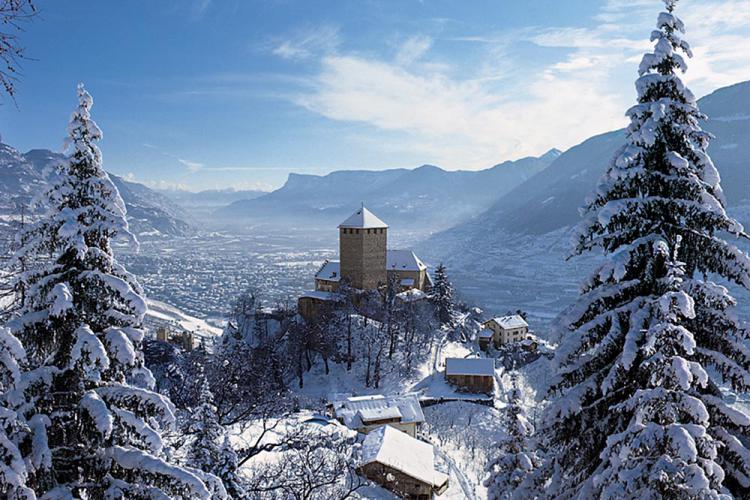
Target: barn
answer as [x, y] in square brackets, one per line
[471, 374]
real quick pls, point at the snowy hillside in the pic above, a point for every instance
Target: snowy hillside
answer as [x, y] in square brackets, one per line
[513, 255]
[149, 213]
[551, 198]
[427, 196]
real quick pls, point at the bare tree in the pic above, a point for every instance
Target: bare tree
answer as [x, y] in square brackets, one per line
[13, 13]
[314, 464]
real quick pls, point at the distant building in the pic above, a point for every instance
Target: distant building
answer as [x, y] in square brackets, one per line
[507, 329]
[485, 337]
[366, 263]
[471, 374]
[365, 413]
[183, 338]
[401, 464]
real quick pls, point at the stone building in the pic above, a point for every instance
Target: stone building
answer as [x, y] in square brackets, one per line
[366, 264]
[363, 250]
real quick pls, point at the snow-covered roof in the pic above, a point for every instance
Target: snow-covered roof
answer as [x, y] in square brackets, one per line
[486, 333]
[470, 366]
[330, 271]
[349, 409]
[403, 260]
[512, 321]
[319, 295]
[374, 414]
[363, 219]
[411, 295]
[398, 450]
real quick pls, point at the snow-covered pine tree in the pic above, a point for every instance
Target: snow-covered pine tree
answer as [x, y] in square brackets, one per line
[91, 423]
[208, 451]
[514, 459]
[441, 296]
[637, 410]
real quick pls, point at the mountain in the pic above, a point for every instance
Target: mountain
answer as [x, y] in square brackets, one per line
[209, 198]
[22, 176]
[513, 254]
[551, 198]
[427, 197]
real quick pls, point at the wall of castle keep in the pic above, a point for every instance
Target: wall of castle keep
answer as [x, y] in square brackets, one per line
[363, 256]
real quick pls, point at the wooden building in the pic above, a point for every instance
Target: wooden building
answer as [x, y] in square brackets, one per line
[471, 374]
[401, 464]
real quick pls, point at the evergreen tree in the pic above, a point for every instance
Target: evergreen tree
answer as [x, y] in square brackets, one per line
[639, 415]
[89, 421]
[441, 296]
[513, 462]
[210, 451]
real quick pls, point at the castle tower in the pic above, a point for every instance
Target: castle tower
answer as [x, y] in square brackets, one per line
[362, 249]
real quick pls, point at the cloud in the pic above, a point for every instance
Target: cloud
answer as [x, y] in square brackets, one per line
[412, 49]
[192, 166]
[525, 90]
[307, 43]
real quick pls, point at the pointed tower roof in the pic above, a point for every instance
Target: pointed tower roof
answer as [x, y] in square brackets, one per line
[363, 219]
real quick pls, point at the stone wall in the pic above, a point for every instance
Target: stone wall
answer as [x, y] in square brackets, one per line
[363, 256]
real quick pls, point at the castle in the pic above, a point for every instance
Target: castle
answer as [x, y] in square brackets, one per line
[366, 263]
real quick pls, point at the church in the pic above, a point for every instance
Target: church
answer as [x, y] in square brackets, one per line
[365, 263]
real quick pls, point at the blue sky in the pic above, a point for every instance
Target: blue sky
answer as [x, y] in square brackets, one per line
[232, 93]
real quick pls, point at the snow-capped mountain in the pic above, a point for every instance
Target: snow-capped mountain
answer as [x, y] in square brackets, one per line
[496, 259]
[22, 175]
[427, 197]
[550, 200]
[206, 201]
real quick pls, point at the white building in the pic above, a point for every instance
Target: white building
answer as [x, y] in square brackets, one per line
[365, 413]
[507, 329]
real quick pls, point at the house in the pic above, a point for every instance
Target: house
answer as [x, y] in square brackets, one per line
[485, 337]
[407, 270]
[365, 413]
[365, 263]
[314, 303]
[328, 277]
[471, 374]
[507, 329]
[401, 464]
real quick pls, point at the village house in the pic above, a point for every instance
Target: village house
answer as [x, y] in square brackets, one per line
[471, 374]
[401, 464]
[366, 264]
[365, 413]
[506, 329]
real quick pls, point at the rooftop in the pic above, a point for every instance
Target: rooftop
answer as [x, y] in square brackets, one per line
[470, 366]
[350, 409]
[402, 452]
[403, 260]
[363, 219]
[316, 294]
[329, 271]
[512, 321]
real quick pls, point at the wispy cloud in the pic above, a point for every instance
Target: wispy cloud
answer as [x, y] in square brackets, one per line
[469, 119]
[191, 166]
[307, 43]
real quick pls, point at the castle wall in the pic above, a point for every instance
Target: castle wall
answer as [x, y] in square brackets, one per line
[363, 256]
